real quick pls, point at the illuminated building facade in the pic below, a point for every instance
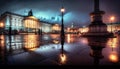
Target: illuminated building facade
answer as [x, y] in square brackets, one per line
[56, 28]
[22, 23]
[83, 30]
[31, 23]
[72, 29]
[114, 27]
[46, 27]
[31, 41]
[8, 19]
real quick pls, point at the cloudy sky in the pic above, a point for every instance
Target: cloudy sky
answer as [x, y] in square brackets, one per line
[77, 11]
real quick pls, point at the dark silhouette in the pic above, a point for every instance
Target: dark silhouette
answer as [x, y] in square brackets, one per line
[30, 13]
[97, 27]
[97, 45]
[62, 30]
[10, 33]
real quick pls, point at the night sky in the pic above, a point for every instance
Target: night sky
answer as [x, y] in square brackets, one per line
[77, 11]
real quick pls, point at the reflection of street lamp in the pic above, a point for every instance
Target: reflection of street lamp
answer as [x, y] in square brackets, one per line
[63, 58]
[113, 57]
[112, 18]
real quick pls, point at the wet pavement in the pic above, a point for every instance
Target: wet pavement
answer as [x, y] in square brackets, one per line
[47, 50]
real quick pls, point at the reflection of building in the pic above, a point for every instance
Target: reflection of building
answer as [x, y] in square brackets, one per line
[71, 38]
[96, 48]
[72, 29]
[31, 23]
[2, 48]
[31, 41]
[113, 52]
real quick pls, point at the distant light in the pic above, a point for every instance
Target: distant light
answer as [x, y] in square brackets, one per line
[112, 18]
[84, 26]
[1, 24]
[84, 41]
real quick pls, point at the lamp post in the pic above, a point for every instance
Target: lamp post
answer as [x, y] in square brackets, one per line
[62, 28]
[112, 18]
[10, 33]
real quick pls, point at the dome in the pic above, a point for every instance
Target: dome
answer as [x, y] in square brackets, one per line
[30, 16]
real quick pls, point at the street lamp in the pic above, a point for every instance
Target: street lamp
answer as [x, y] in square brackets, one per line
[62, 29]
[62, 26]
[112, 18]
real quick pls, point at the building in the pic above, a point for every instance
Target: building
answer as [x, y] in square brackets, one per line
[83, 29]
[72, 29]
[56, 28]
[8, 19]
[31, 23]
[46, 27]
[18, 23]
[113, 27]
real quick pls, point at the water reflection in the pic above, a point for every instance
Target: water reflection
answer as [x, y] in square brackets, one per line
[71, 38]
[13, 43]
[102, 50]
[63, 58]
[114, 57]
[31, 42]
[97, 45]
[113, 43]
[2, 38]
[55, 38]
[2, 49]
